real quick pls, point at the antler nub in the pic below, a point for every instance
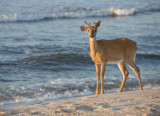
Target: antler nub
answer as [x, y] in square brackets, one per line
[87, 23]
[94, 24]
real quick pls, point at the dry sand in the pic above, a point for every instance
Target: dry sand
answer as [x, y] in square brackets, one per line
[133, 103]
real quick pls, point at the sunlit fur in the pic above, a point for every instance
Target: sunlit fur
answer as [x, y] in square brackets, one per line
[119, 51]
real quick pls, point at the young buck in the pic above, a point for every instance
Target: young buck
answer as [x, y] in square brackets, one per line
[116, 51]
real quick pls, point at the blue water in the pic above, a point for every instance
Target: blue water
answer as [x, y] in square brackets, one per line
[45, 56]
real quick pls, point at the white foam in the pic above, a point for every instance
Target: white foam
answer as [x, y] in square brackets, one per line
[57, 89]
[64, 88]
[150, 86]
[24, 17]
[121, 12]
[74, 12]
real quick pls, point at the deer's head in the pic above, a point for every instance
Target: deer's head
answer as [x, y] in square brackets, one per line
[91, 30]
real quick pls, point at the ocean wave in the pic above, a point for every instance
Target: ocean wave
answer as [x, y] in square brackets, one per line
[148, 56]
[67, 12]
[154, 8]
[6, 80]
[71, 59]
[66, 88]
[57, 89]
[55, 59]
[122, 12]
[62, 61]
[25, 17]
[75, 12]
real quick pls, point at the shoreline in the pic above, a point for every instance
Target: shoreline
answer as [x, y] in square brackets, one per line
[145, 102]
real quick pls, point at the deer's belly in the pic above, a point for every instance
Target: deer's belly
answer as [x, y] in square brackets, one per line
[99, 60]
[115, 62]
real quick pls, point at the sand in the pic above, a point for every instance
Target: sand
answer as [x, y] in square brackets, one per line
[131, 103]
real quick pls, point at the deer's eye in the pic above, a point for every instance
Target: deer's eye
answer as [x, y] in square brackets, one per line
[88, 30]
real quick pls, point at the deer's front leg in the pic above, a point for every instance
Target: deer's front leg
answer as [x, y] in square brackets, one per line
[103, 66]
[98, 76]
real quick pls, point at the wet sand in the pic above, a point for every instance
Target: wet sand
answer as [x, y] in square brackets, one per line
[146, 102]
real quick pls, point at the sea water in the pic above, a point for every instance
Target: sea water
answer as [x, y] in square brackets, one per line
[45, 56]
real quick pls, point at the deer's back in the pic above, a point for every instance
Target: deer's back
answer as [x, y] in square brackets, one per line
[116, 49]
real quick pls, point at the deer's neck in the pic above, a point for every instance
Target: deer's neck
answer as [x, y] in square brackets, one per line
[93, 45]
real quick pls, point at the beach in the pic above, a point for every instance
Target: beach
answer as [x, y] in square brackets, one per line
[131, 103]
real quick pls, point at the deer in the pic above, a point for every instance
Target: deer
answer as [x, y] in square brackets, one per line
[118, 51]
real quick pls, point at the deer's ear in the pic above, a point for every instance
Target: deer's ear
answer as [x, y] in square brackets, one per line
[97, 24]
[83, 28]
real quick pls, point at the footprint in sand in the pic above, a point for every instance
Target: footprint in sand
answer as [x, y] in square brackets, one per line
[85, 108]
[103, 105]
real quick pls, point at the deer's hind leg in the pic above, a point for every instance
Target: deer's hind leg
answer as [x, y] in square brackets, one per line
[125, 73]
[134, 67]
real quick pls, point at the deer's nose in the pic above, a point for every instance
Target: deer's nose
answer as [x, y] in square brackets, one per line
[92, 34]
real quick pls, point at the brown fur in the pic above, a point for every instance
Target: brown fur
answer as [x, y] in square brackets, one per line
[116, 51]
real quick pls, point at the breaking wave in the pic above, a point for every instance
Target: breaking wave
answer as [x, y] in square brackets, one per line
[66, 88]
[66, 12]
[76, 12]
[73, 59]
[121, 12]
